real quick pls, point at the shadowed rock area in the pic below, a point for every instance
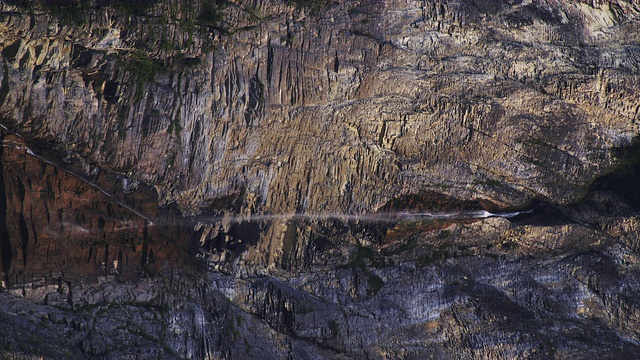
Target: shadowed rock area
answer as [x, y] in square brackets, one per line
[57, 225]
[258, 179]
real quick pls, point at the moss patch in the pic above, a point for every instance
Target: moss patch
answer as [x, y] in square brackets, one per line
[144, 68]
[359, 259]
[313, 5]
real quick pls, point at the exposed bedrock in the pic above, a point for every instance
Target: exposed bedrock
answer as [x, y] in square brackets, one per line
[278, 109]
[236, 113]
[337, 111]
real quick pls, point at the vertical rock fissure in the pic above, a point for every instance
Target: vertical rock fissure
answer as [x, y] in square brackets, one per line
[24, 239]
[4, 89]
[5, 244]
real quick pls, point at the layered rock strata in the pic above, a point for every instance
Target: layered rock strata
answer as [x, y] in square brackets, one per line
[338, 111]
[241, 111]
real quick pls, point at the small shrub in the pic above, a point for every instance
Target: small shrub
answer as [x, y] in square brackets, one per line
[174, 127]
[211, 11]
[145, 69]
[74, 11]
[191, 62]
[313, 5]
[374, 281]
[137, 7]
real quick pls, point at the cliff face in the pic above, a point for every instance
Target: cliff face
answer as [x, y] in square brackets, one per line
[56, 224]
[255, 108]
[486, 289]
[341, 111]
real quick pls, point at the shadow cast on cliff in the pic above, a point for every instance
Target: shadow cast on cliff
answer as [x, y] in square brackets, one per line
[624, 181]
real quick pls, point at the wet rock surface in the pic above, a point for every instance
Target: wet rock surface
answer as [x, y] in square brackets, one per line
[57, 225]
[257, 179]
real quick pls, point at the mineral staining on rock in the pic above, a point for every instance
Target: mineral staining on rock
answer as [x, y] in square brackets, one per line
[233, 109]
[56, 225]
[348, 108]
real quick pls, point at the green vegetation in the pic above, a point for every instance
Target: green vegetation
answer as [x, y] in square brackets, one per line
[70, 12]
[489, 182]
[138, 7]
[313, 5]
[508, 245]
[430, 259]
[210, 11]
[144, 68]
[430, 200]
[231, 331]
[191, 62]
[174, 127]
[4, 89]
[359, 259]
[364, 34]
[405, 228]
[410, 245]
[122, 120]
[374, 281]
[75, 11]
[410, 225]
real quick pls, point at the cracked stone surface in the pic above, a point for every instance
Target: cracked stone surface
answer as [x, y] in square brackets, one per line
[159, 133]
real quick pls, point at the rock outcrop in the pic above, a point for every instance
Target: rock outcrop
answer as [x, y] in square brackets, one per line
[338, 111]
[56, 225]
[247, 128]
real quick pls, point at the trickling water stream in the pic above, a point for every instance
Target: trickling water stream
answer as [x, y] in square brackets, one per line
[115, 235]
[55, 223]
[385, 217]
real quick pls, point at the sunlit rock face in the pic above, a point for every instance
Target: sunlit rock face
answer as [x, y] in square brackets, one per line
[140, 138]
[338, 111]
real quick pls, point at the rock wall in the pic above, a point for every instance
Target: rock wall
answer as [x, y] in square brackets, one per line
[339, 110]
[488, 289]
[279, 109]
[56, 227]
[237, 111]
